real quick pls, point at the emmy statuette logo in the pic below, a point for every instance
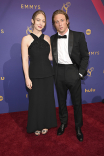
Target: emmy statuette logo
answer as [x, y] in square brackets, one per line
[89, 71]
[66, 6]
[2, 31]
[29, 30]
[88, 31]
[1, 98]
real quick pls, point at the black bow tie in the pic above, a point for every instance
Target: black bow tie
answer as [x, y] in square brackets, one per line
[64, 36]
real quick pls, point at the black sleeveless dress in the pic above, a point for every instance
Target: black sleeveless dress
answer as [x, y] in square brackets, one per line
[41, 112]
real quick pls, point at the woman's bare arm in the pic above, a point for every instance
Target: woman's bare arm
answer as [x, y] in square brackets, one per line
[25, 61]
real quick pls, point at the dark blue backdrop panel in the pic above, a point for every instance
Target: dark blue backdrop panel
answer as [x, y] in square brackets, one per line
[15, 22]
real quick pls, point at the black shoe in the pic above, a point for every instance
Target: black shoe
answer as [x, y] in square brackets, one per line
[61, 129]
[79, 134]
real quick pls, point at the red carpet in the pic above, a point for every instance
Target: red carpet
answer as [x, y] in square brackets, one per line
[14, 141]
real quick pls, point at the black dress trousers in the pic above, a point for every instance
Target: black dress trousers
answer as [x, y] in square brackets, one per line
[68, 78]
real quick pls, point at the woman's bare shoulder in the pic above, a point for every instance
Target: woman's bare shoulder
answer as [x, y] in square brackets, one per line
[26, 38]
[47, 38]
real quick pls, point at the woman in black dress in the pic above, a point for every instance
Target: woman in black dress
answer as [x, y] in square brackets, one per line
[39, 77]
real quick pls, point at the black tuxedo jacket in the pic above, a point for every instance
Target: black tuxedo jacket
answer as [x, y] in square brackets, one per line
[77, 49]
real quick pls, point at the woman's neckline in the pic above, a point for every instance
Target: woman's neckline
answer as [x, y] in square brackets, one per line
[36, 35]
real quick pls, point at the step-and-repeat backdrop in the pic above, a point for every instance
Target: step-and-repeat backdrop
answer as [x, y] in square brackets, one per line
[15, 22]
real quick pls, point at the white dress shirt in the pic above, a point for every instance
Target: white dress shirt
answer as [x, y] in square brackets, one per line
[63, 55]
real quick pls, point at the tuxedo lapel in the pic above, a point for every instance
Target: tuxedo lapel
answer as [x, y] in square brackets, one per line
[70, 42]
[55, 48]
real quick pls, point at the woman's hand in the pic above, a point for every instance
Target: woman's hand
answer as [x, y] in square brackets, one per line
[28, 83]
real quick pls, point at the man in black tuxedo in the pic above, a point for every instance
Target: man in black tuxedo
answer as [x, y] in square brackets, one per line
[70, 60]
